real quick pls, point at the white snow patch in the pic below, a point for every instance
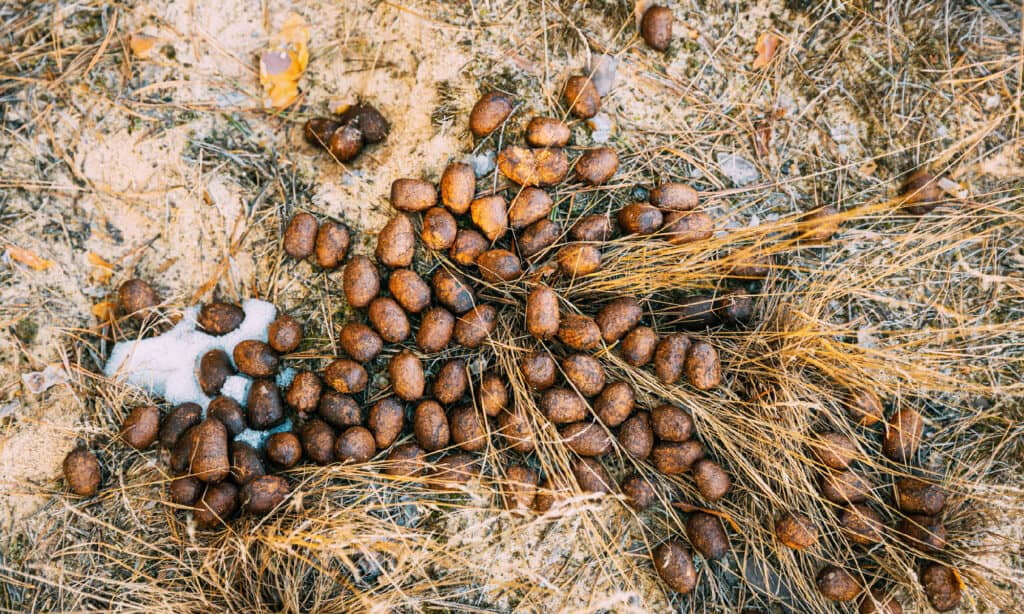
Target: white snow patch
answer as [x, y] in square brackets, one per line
[258, 439]
[237, 387]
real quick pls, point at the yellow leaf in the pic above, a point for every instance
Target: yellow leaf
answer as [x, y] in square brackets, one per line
[142, 44]
[766, 46]
[102, 270]
[103, 311]
[283, 63]
[28, 258]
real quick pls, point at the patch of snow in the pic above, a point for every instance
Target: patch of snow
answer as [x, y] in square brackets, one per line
[482, 162]
[258, 439]
[237, 387]
[601, 128]
[285, 377]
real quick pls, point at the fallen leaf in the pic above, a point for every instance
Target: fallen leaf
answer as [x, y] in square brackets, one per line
[101, 271]
[283, 63]
[28, 258]
[103, 311]
[142, 44]
[41, 381]
[766, 46]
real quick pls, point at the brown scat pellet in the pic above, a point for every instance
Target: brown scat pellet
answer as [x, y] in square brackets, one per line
[845, 487]
[579, 259]
[837, 584]
[591, 476]
[696, 312]
[920, 193]
[317, 130]
[405, 371]
[339, 410]
[878, 601]
[670, 358]
[707, 535]
[368, 120]
[210, 462]
[261, 495]
[355, 445]
[864, 407]
[229, 413]
[218, 504]
[751, 266]
[796, 531]
[703, 369]
[246, 463]
[579, 332]
[180, 419]
[181, 453]
[453, 470]
[475, 326]
[141, 427]
[389, 320]
[284, 449]
[409, 289]
[596, 166]
[360, 342]
[467, 428]
[406, 459]
[82, 472]
[941, 586]
[861, 524]
[547, 495]
[637, 347]
[520, 488]
[499, 265]
[615, 403]
[563, 406]
[360, 281]
[300, 235]
[656, 27]
[586, 438]
[581, 97]
[818, 225]
[303, 394]
[528, 206]
[490, 215]
[903, 435]
[713, 482]
[332, 241]
[255, 358]
[450, 383]
[136, 298]
[533, 167]
[537, 237]
[834, 450]
[468, 245]
[430, 425]
[547, 132]
[515, 427]
[184, 490]
[639, 219]
[346, 143]
[542, 316]
[636, 436]
[916, 496]
[439, 229]
[458, 185]
[676, 458]
[284, 334]
[453, 291]
[219, 318]
[436, 327]
[317, 438]
[346, 376]
[618, 318]
[734, 307]
[489, 113]
[413, 195]
[593, 227]
[638, 491]
[674, 197]
[396, 242]
[923, 532]
[674, 565]
[214, 367]
[585, 373]
[688, 226]
[386, 419]
[671, 423]
[492, 395]
[539, 370]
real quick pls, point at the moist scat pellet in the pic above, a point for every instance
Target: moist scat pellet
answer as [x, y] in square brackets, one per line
[136, 298]
[355, 445]
[360, 342]
[467, 246]
[339, 410]
[591, 476]
[450, 382]
[618, 318]
[547, 132]
[219, 318]
[845, 487]
[834, 450]
[303, 393]
[360, 281]
[670, 358]
[861, 525]
[409, 289]
[284, 449]
[585, 373]
[475, 326]
[82, 472]
[467, 428]
[528, 206]
[246, 463]
[796, 531]
[539, 370]
[586, 438]
[941, 586]
[209, 455]
[615, 403]
[396, 242]
[141, 427]
[520, 488]
[498, 265]
[404, 460]
[436, 327]
[542, 315]
[413, 195]
[332, 241]
[386, 419]
[674, 196]
[579, 259]
[563, 406]
[439, 229]
[389, 320]
[703, 369]
[713, 482]
[489, 113]
[676, 458]
[593, 227]
[903, 435]
[707, 535]
[406, 374]
[492, 395]
[638, 491]
[229, 413]
[346, 376]
[453, 291]
[217, 505]
[674, 564]
[458, 185]
[255, 358]
[638, 346]
[581, 97]
[177, 421]
[261, 495]
[837, 584]
[515, 427]
[639, 219]
[214, 368]
[671, 423]
[300, 236]
[537, 237]
[596, 166]
[490, 215]
[656, 27]
[430, 426]
[636, 436]
[579, 332]
[285, 334]
[184, 490]
[317, 439]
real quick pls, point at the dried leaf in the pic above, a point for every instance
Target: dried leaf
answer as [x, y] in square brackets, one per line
[28, 258]
[103, 311]
[766, 46]
[142, 44]
[283, 63]
[102, 270]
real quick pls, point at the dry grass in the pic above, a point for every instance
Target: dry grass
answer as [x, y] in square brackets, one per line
[924, 310]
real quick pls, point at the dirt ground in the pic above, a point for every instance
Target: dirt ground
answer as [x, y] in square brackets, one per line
[166, 166]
